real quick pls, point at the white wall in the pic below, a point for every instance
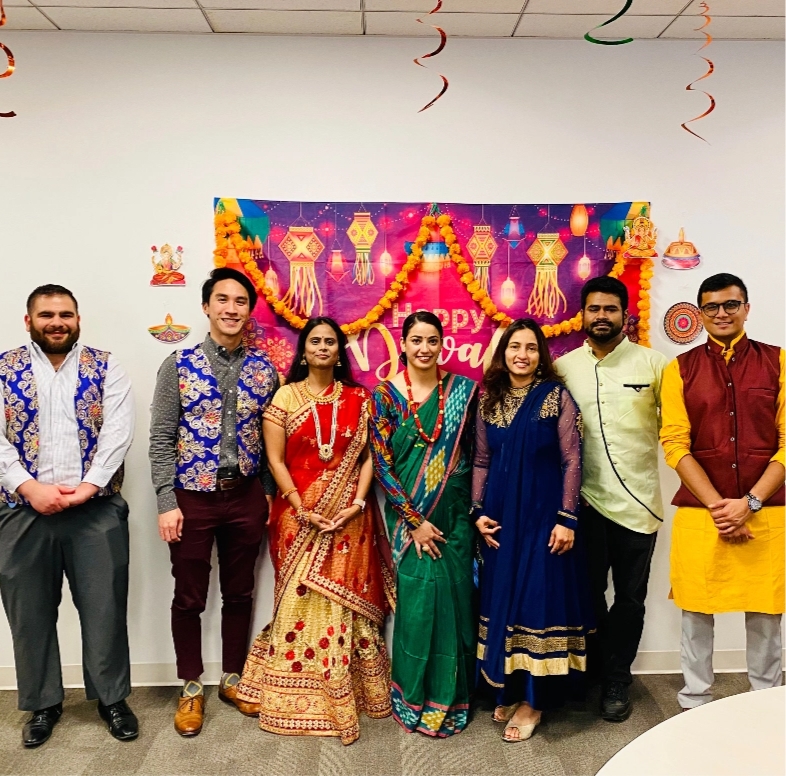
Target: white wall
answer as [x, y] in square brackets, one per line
[121, 141]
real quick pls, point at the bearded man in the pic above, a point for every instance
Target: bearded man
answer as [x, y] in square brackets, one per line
[617, 386]
[66, 425]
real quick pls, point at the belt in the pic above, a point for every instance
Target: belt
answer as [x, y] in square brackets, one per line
[228, 483]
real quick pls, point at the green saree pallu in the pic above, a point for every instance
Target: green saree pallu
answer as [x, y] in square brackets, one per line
[434, 633]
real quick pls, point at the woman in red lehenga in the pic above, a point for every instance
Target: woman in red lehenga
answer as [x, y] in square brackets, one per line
[322, 659]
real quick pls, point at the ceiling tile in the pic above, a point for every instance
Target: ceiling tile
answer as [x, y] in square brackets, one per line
[12, 3]
[565, 26]
[610, 7]
[730, 28]
[740, 8]
[287, 22]
[129, 19]
[473, 25]
[29, 18]
[114, 4]
[450, 6]
[284, 5]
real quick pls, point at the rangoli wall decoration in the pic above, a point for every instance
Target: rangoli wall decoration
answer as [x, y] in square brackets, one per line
[477, 267]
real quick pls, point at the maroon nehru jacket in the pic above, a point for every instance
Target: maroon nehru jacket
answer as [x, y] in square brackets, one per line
[732, 412]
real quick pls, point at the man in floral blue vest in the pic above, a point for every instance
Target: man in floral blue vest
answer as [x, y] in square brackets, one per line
[67, 424]
[211, 477]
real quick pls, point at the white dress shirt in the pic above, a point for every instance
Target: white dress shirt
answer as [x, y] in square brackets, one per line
[59, 454]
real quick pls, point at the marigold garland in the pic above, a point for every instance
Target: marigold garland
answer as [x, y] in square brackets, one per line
[228, 237]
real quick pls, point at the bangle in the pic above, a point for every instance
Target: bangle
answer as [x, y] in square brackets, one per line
[358, 502]
[288, 493]
[301, 513]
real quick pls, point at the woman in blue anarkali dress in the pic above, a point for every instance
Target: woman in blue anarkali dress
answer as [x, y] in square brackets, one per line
[535, 609]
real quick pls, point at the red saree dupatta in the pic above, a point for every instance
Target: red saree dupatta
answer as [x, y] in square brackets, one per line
[352, 565]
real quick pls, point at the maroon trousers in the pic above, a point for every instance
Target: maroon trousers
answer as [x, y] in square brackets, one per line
[234, 520]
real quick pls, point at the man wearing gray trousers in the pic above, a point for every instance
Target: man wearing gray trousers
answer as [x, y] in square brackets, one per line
[66, 424]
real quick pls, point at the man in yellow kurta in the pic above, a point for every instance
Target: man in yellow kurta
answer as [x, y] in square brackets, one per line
[723, 431]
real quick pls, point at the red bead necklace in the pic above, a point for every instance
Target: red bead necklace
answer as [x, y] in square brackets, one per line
[413, 405]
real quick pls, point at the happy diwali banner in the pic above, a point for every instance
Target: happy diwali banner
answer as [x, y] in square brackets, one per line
[368, 265]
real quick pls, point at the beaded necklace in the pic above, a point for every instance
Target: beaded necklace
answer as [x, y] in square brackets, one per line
[413, 406]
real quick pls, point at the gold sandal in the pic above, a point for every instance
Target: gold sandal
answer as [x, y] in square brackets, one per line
[525, 732]
[506, 712]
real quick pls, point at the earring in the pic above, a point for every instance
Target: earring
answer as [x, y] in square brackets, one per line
[338, 363]
[303, 361]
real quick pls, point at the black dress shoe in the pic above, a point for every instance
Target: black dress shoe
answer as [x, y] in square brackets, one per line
[123, 724]
[39, 727]
[615, 705]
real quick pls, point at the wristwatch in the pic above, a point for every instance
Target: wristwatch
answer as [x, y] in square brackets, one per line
[360, 503]
[753, 503]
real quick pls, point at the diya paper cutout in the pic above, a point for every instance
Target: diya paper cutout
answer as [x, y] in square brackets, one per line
[681, 254]
[476, 266]
[169, 332]
[682, 323]
[166, 263]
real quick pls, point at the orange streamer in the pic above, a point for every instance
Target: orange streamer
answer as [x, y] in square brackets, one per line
[443, 40]
[10, 57]
[710, 71]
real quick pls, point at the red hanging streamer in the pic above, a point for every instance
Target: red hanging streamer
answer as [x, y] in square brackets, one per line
[710, 69]
[442, 42]
[11, 64]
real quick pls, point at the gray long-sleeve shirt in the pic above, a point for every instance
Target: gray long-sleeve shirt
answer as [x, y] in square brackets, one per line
[165, 417]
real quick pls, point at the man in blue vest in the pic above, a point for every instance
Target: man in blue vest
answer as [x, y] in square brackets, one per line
[66, 425]
[210, 476]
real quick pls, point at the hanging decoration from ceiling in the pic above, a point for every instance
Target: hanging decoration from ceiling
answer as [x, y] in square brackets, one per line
[601, 42]
[682, 323]
[440, 269]
[442, 42]
[11, 64]
[705, 12]
[681, 254]
[169, 332]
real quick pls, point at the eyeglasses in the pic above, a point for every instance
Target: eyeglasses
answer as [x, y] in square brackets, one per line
[730, 306]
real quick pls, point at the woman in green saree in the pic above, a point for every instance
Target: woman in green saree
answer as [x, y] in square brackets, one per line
[421, 432]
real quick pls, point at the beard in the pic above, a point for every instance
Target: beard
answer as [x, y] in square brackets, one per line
[603, 337]
[40, 338]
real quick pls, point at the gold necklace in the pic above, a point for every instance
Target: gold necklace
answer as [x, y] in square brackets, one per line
[332, 396]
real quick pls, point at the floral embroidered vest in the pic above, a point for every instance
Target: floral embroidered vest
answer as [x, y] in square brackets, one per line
[21, 411]
[199, 429]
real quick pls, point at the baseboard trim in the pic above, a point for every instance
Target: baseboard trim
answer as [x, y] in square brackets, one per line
[165, 674]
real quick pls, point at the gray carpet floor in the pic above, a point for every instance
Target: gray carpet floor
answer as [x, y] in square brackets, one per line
[570, 742]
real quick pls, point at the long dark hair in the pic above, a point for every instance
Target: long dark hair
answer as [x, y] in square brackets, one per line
[421, 316]
[496, 381]
[341, 371]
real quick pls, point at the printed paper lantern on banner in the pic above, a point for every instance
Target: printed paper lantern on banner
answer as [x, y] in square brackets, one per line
[584, 268]
[336, 268]
[579, 221]
[547, 252]
[302, 248]
[513, 231]
[385, 263]
[481, 247]
[362, 232]
[508, 292]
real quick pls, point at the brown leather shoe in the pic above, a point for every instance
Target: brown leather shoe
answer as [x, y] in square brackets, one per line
[229, 695]
[190, 715]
